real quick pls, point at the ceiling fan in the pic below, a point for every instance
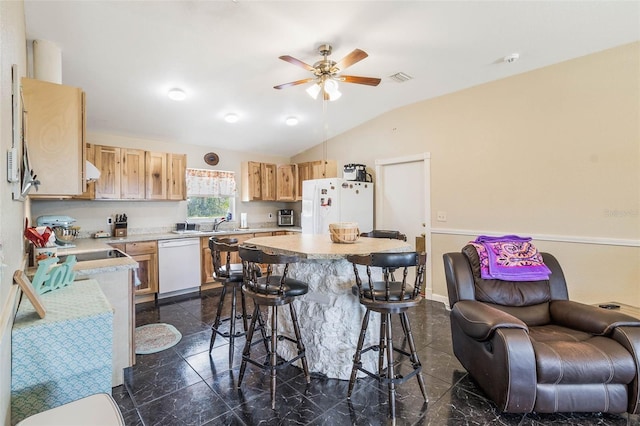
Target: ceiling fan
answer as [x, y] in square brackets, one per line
[326, 73]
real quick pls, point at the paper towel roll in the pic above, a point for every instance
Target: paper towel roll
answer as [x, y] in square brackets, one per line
[243, 220]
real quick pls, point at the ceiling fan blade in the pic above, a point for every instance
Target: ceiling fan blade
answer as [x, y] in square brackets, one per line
[353, 57]
[297, 62]
[294, 83]
[369, 81]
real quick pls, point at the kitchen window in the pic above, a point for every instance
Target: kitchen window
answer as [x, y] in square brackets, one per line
[210, 193]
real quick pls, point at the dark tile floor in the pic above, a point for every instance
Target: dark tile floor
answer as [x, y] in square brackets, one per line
[184, 385]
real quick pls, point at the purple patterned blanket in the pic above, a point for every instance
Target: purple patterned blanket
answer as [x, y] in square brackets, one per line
[510, 258]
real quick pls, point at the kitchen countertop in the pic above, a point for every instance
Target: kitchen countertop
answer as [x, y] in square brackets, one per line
[83, 245]
[320, 247]
[86, 245]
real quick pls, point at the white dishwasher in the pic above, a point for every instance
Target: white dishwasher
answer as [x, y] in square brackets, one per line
[178, 266]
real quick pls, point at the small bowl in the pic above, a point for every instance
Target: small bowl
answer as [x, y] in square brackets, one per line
[66, 235]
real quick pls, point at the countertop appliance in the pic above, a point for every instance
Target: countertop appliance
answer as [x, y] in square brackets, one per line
[326, 201]
[357, 172]
[285, 217]
[178, 266]
[55, 220]
[64, 236]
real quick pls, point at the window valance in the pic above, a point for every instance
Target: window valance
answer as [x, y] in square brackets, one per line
[210, 183]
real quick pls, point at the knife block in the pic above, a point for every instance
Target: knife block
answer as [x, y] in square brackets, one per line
[120, 229]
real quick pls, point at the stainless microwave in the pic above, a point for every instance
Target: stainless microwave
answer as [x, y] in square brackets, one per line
[285, 217]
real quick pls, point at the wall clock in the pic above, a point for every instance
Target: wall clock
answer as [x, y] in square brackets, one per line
[211, 158]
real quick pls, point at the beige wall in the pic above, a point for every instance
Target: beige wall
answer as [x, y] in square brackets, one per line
[553, 153]
[91, 215]
[12, 51]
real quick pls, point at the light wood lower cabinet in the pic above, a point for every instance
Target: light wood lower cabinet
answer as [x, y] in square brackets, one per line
[207, 263]
[206, 268]
[145, 277]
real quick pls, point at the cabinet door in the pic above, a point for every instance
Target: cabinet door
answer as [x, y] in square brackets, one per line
[251, 186]
[323, 169]
[53, 133]
[132, 179]
[268, 181]
[304, 173]
[107, 160]
[287, 182]
[207, 266]
[90, 192]
[177, 174]
[156, 175]
[145, 277]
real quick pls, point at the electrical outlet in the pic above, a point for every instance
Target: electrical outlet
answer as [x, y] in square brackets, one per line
[270, 215]
[441, 216]
[109, 220]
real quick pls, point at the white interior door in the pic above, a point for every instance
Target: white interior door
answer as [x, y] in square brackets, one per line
[403, 200]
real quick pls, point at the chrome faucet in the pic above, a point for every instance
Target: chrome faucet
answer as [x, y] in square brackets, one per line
[217, 223]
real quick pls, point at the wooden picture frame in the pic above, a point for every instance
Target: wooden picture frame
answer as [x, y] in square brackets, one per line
[28, 289]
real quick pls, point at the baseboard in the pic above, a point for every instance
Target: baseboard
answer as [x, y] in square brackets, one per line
[442, 299]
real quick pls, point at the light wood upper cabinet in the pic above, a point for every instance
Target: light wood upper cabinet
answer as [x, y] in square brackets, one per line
[287, 182]
[132, 180]
[258, 181]
[134, 174]
[251, 178]
[122, 173]
[315, 170]
[177, 173]
[268, 173]
[107, 160]
[156, 175]
[54, 134]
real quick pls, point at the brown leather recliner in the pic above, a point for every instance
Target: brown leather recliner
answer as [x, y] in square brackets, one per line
[531, 349]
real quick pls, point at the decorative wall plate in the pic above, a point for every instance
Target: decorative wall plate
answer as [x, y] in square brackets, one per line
[211, 158]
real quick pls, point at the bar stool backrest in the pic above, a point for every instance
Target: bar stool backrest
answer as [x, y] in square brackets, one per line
[390, 290]
[219, 246]
[383, 233]
[253, 258]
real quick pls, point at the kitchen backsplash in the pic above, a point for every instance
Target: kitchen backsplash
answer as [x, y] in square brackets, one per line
[147, 217]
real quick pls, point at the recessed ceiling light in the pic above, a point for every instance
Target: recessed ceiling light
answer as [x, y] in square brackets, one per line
[231, 118]
[177, 94]
[291, 121]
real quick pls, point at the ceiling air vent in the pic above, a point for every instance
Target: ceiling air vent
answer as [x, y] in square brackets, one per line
[400, 77]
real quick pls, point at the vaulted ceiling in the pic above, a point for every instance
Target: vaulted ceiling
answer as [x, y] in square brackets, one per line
[224, 54]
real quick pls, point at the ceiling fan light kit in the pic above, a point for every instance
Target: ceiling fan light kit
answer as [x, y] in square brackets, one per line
[327, 73]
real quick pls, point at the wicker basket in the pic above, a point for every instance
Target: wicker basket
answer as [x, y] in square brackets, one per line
[344, 232]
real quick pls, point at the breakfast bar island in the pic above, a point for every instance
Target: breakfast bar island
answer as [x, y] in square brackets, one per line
[330, 316]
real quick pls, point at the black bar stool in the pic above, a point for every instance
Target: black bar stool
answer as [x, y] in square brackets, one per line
[230, 275]
[271, 290]
[388, 297]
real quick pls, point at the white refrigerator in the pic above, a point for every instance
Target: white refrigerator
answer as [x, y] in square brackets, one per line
[326, 201]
